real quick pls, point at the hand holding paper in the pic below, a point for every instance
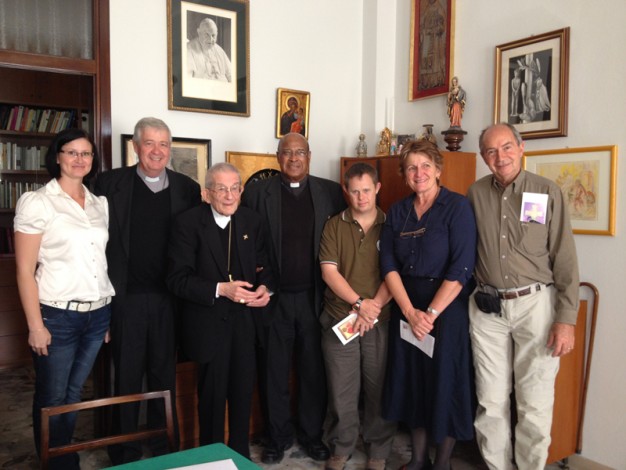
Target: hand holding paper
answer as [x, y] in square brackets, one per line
[426, 345]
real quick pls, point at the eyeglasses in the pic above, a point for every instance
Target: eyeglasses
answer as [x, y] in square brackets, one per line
[74, 153]
[301, 153]
[235, 189]
[415, 233]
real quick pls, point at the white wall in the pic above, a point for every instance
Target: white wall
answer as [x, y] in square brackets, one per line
[348, 55]
[292, 45]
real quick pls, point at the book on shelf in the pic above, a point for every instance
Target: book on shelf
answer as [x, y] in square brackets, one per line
[19, 157]
[32, 126]
[5, 113]
[43, 121]
[11, 191]
[62, 121]
[21, 126]
[54, 120]
[18, 118]
[3, 156]
[12, 117]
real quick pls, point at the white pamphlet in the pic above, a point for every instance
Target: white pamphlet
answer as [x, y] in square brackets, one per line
[534, 208]
[426, 345]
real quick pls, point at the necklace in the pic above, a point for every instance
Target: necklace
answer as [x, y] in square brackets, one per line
[421, 231]
[230, 237]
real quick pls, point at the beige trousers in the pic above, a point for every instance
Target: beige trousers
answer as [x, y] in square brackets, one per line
[510, 350]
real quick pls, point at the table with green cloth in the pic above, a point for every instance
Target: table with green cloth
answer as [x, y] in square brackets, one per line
[210, 453]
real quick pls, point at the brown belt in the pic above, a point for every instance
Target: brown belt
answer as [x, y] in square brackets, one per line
[514, 294]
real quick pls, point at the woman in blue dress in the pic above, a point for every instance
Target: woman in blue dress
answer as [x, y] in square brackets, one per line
[427, 257]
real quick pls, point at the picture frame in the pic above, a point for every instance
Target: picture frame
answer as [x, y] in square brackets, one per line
[191, 157]
[404, 138]
[431, 52]
[192, 86]
[254, 166]
[531, 84]
[587, 176]
[292, 112]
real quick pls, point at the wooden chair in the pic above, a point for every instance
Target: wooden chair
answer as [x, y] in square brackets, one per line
[48, 452]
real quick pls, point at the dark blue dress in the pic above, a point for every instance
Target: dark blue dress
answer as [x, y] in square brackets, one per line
[436, 394]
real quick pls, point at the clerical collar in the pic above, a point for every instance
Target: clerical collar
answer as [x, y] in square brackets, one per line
[295, 188]
[221, 220]
[157, 183]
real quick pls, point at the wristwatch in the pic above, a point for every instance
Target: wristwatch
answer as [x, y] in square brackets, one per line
[433, 311]
[357, 305]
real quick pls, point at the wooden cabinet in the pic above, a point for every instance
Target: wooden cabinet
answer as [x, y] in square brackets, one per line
[459, 172]
[14, 350]
[59, 81]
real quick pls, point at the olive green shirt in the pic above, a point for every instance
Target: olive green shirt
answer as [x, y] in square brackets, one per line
[356, 255]
[512, 253]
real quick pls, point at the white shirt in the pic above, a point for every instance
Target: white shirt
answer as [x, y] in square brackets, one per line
[71, 264]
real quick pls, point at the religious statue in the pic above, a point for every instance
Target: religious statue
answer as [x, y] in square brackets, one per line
[456, 103]
[384, 144]
[361, 148]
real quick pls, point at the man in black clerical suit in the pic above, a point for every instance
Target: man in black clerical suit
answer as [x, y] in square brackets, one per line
[218, 267]
[295, 206]
[143, 199]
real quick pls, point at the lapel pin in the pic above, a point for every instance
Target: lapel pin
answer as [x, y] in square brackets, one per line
[245, 236]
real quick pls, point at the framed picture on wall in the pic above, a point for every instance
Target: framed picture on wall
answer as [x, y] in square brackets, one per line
[431, 47]
[190, 157]
[587, 177]
[292, 112]
[208, 56]
[254, 166]
[532, 84]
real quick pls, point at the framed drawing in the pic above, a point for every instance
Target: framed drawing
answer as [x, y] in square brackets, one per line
[532, 84]
[432, 47]
[292, 112]
[587, 177]
[190, 157]
[208, 56]
[254, 166]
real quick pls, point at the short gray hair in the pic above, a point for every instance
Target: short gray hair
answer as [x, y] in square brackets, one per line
[222, 167]
[514, 131]
[152, 123]
[291, 134]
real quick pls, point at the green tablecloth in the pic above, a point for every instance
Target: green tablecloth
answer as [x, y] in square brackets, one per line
[210, 453]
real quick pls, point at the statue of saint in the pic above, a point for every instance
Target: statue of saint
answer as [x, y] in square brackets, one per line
[361, 148]
[456, 103]
[384, 144]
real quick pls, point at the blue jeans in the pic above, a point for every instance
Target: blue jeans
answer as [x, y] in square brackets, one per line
[76, 340]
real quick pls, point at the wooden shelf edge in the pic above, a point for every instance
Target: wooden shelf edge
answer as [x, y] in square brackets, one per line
[47, 63]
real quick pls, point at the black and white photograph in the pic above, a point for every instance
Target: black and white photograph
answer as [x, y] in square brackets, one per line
[208, 56]
[531, 90]
[530, 79]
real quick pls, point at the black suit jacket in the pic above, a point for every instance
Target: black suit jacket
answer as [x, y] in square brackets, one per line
[265, 197]
[197, 262]
[117, 185]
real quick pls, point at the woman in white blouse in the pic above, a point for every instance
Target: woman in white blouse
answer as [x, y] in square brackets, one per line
[61, 232]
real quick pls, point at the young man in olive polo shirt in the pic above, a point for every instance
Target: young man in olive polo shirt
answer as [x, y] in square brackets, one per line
[350, 268]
